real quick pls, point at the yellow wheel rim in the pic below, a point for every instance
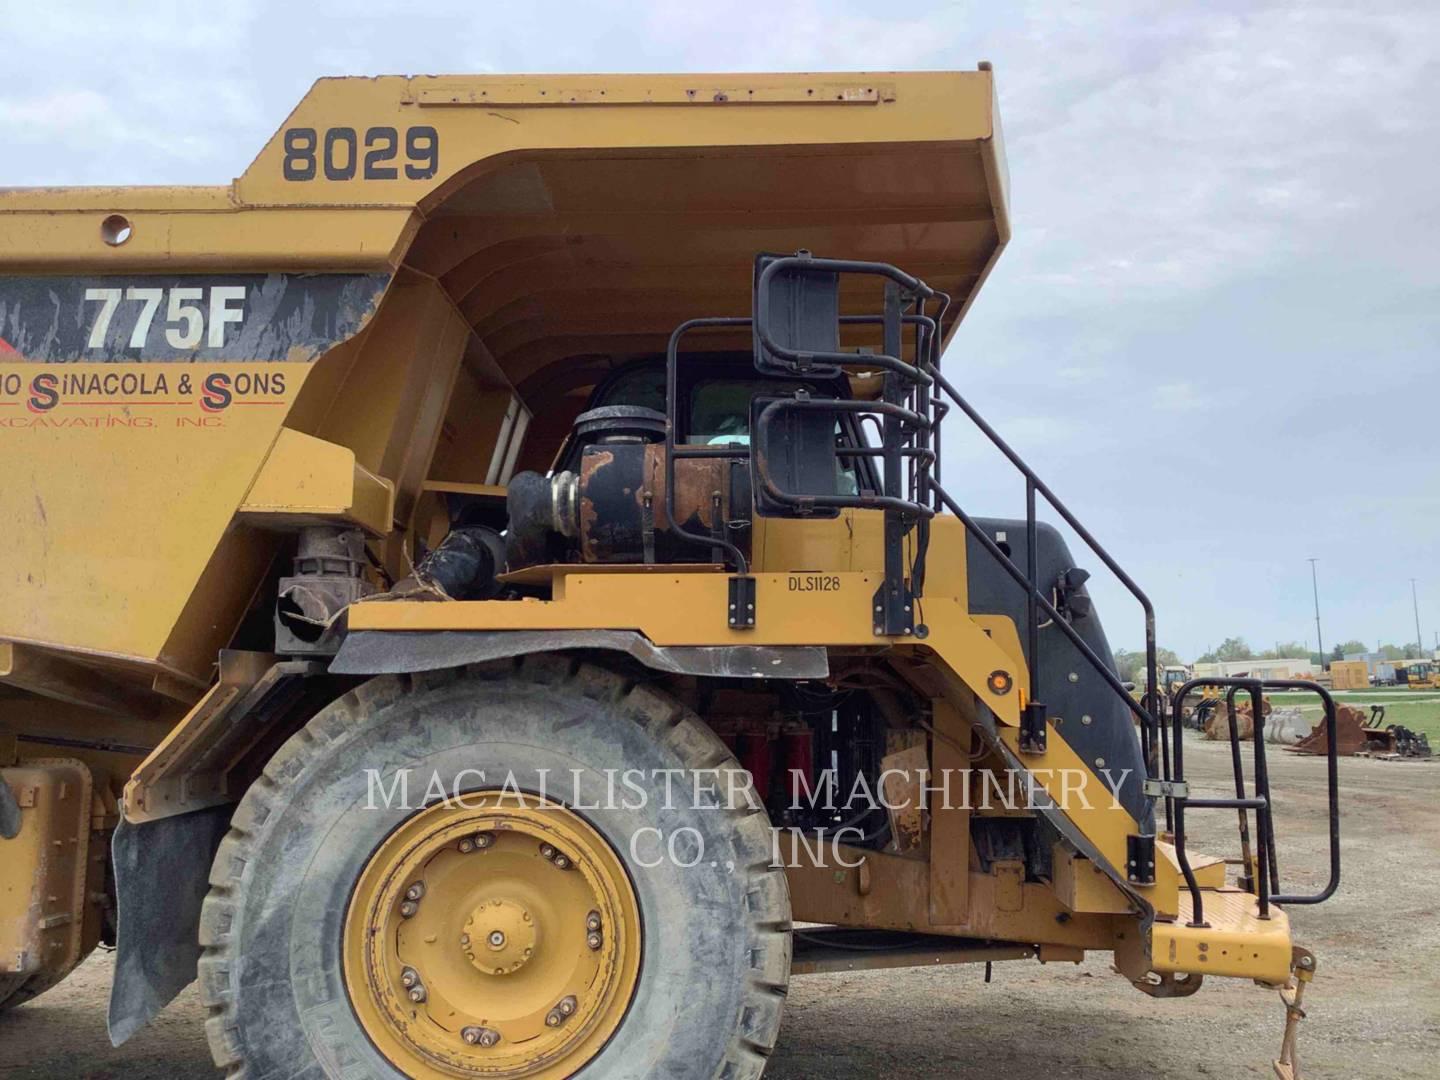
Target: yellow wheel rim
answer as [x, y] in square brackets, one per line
[499, 938]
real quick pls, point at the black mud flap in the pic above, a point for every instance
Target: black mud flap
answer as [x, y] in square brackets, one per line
[162, 871]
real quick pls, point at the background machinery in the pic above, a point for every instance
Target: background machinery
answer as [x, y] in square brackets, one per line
[1417, 674]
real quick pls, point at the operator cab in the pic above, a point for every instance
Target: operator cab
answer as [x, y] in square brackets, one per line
[1415, 672]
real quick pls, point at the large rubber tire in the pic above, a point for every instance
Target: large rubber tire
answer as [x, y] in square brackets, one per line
[18, 989]
[10, 986]
[716, 952]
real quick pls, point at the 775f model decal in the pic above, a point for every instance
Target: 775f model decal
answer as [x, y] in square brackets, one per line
[185, 315]
[198, 318]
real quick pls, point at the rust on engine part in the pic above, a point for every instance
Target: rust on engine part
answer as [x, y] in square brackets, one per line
[698, 481]
[592, 463]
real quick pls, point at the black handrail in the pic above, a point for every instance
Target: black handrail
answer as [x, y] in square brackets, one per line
[910, 413]
[1178, 803]
[1332, 770]
[1267, 882]
[921, 419]
[1262, 775]
[925, 325]
[925, 373]
[1246, 880]
[1148, 719]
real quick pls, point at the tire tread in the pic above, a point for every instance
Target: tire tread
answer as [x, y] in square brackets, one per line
[661, 716]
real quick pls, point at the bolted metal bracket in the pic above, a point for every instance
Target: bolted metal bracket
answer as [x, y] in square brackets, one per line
[1140, 859]
[1032, 728]
[742, 603]
[893, 610]
[1167, 789]
[647, 526]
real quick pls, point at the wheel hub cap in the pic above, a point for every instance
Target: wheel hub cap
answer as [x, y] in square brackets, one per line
[500, 939]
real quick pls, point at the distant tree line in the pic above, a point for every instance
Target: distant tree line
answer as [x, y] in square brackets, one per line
[1237, 648]
[1131, 662]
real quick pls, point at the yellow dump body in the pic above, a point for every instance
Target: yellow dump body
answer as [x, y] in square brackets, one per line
[412, 272]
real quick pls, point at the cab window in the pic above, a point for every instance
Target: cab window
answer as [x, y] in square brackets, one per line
[643, 387]
[720, 408]
[720, 415]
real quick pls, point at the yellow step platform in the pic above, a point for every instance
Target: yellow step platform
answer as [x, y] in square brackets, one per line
[1236, 941]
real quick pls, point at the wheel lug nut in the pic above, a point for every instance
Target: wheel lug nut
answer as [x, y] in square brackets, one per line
[546, 851]
[592, 921]
[484, 840]
[409, 978]
[479, 1036]
[562, 1011]
[594, 940]
[417, 994]
[467, 846]
[408, 908]
[561, 862]
[415, 891]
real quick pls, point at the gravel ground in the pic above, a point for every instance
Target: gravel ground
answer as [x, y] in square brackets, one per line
[1374, 1007]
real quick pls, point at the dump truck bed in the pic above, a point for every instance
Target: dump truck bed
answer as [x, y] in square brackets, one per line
[531, 233]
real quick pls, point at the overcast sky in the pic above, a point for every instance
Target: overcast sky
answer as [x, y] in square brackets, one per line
[1216, 331]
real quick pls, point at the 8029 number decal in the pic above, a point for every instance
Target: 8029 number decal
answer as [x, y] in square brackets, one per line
[339, 153]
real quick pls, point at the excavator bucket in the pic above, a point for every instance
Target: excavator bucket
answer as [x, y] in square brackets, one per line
[1350, 735]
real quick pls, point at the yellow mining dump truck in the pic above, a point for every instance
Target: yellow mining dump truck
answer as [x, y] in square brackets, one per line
[480, 579]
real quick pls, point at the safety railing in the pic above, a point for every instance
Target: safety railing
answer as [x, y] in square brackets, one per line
[909, 417]
[1260, 869]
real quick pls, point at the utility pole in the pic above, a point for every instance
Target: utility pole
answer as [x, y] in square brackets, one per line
[1414, 600]
[1315, 587]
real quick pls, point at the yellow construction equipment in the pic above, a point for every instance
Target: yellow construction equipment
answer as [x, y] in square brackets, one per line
[471, 575]
[1417, 674]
